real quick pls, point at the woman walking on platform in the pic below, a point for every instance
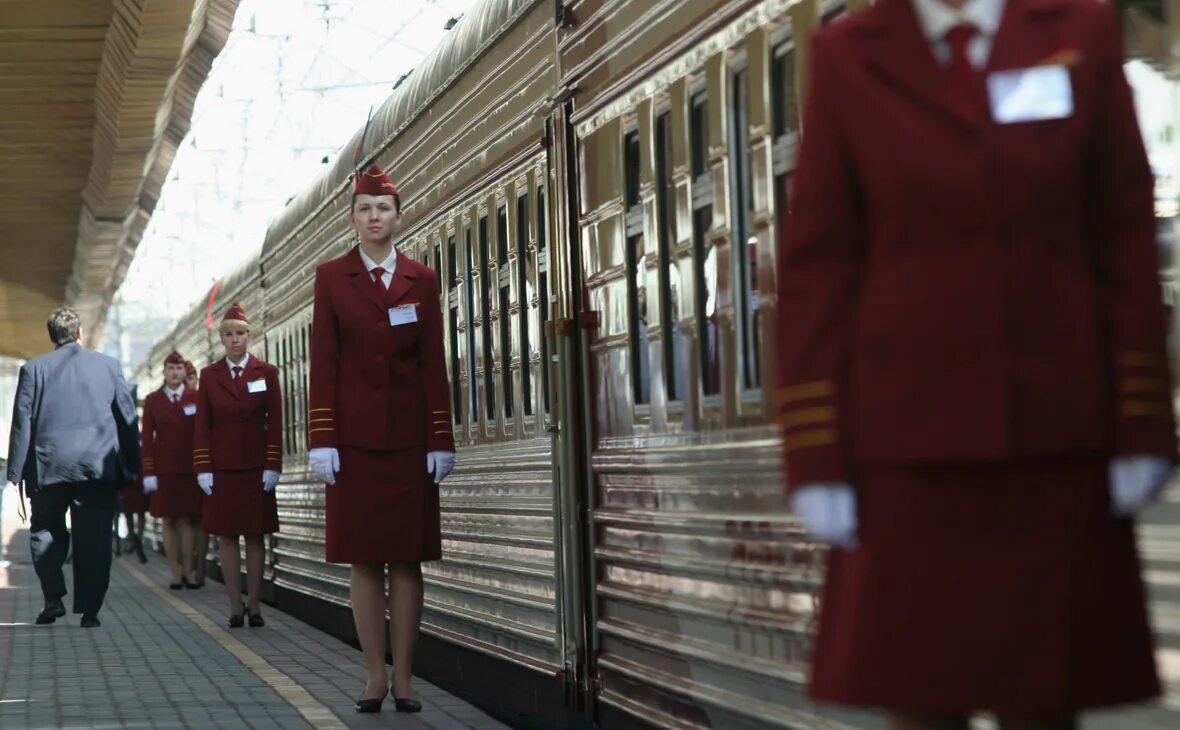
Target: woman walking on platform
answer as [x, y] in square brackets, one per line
[169, 415]
[237, 453]
[380, 429]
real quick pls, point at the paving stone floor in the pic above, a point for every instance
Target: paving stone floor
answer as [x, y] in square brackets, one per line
[164, 659]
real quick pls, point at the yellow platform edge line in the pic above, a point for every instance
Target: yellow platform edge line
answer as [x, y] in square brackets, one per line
[312, 710]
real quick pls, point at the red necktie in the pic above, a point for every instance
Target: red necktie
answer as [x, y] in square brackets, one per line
[237, 369]
[966, 76]
[379, 276]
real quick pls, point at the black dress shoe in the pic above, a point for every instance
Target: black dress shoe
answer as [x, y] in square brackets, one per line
[366, 707]
[90, 622]
[256, 621]
[53, 611]
[406, 705]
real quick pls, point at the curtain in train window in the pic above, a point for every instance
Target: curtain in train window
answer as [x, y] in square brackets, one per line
[704, 253]
[504, 283]
[469, 290]
[636, 272]
[525, 275]
[453, 332]
[543, 289]
[485, 289]
[675, 359]
[745, 244]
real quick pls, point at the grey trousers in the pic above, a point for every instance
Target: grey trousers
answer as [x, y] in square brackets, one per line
[92, 510]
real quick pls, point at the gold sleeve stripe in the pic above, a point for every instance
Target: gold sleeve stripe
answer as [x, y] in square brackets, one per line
[1133, 409]
[807, 439]
[323, 420]
[321, 410]
[443, 412]
[317, 430]
[443, 433]
[1140, 359]
[1144, 385]
[805, 391]
[808, 417]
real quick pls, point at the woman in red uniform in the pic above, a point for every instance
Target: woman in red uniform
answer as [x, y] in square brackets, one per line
[201, 543]
[237, 453]
[380, 429]
[167, 433]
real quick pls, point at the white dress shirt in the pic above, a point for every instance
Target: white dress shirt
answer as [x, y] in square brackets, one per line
[174, 395]
[233, 364]
[935, 18]
[388, 264]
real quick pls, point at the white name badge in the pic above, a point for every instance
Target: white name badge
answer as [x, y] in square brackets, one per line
[1030, 94]
[190, 409]
[405, 314]
[256, 386]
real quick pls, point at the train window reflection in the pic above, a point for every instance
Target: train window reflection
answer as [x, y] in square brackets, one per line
[674, 359]
[525, 273]
[469, 290]
[704, 255]
[485, 310]
[453, 313]
[504, 285]
[745, 245]
[636, 272]
[543, 289]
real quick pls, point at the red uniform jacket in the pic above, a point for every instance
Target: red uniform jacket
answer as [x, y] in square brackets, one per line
[238, 429]
[952, 289]
[375, 385]
[167, 433]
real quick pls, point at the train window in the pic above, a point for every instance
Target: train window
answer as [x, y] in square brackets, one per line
[704, 253]
[786, 125]
[745, 243]
[543, 289]
[469, 291]
[453, 332]
[438, 269]
[485, 291]
[504, 283]
[304, 373]
[669, 271]
[525, 271]
[636, 271]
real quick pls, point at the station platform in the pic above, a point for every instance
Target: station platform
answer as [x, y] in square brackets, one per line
[165, 659]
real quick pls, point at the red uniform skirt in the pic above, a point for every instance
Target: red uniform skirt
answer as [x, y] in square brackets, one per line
[383, 508]
[239, 506]
[134, 500]
[178, 496]
[1010, 589]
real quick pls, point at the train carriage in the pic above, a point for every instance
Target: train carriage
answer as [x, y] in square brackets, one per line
[599, 184]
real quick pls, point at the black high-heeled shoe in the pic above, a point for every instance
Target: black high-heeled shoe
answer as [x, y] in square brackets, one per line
[177, 586]
[367, 707]
[406, 705]
[237, 619]
[256, 621]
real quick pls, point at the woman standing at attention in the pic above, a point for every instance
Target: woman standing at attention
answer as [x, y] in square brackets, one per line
[380, 429]
[238, 454]
[167, 434]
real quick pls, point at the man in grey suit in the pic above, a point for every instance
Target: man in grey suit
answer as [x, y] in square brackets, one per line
[74, 443]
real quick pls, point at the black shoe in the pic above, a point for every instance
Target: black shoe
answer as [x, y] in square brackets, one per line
[89, 621]
[366, 707]
[237, 619]
[53, 611]
[175, 586]
[256, 621]
[197, 584]
[406, 705]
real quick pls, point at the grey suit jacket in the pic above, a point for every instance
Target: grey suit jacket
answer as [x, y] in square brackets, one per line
[73, 420]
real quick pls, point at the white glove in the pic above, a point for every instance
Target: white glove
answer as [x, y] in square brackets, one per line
[440, 463]
[1135, 481]
[270, 478]
[150, 484]
[325, 462]
[828, 511]
[205, 482]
